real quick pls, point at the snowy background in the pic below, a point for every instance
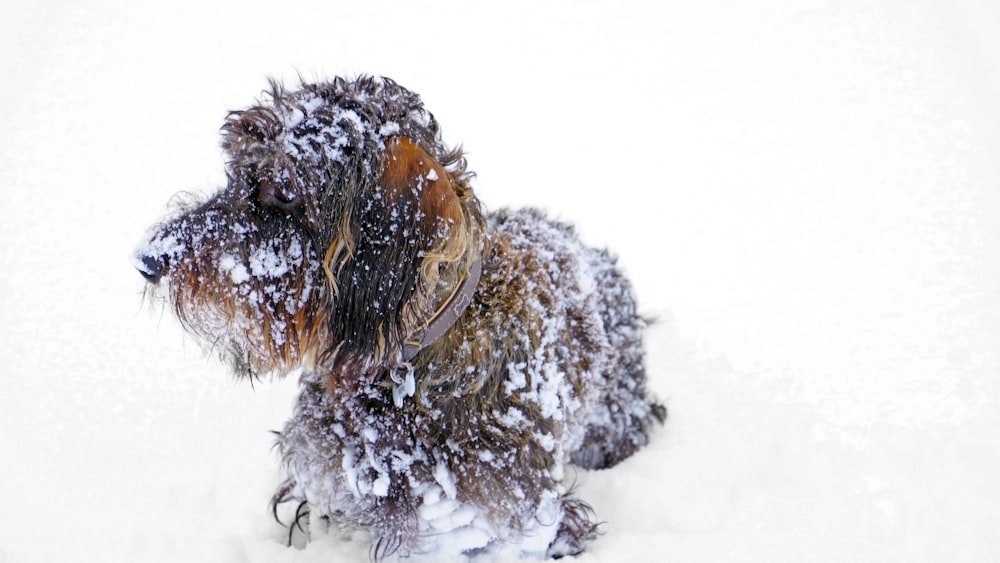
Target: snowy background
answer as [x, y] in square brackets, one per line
[806, 194]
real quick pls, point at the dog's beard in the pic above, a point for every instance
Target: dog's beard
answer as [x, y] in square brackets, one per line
[221, 329]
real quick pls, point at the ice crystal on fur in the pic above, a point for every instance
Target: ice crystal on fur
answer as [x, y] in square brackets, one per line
[345, 230]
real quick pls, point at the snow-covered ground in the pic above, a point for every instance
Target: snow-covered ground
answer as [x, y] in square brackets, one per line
[806, 194]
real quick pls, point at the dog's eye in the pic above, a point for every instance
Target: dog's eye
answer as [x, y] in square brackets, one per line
[278, 195]
[284, 195]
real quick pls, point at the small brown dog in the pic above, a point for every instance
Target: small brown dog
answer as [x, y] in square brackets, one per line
[451, 362]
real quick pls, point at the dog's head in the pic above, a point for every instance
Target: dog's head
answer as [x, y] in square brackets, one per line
[344, 225]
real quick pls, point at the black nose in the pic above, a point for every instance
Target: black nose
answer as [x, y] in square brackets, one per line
[151, 268]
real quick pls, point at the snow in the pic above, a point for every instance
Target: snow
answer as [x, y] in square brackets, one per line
[445, 479]
[804, 195]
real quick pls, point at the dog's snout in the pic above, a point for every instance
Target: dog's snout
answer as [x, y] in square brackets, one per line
[151, 268]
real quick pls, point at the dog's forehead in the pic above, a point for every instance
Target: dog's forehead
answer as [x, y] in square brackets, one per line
[324, 128]
[339, 113]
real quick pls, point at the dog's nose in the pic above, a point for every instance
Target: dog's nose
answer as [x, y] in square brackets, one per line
[151, 268]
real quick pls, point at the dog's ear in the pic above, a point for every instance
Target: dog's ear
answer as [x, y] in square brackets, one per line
[401, 244]
[412, 173]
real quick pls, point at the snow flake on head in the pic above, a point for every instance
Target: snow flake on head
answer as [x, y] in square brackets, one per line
[274, 263]
[389, 129]
[321, 137]
[267, 260]
[166, 245]
[236, 271]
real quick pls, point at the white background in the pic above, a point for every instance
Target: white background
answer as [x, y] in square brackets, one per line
[806, 195]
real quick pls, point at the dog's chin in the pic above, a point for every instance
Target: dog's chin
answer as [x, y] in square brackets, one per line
[238, 355]
[247, 363]
[240, 362]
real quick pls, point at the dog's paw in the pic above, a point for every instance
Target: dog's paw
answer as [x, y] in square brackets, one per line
[576, 529]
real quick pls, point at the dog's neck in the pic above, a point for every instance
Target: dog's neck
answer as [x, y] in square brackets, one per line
[447, 314]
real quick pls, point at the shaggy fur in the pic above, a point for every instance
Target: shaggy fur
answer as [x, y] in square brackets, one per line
[345, 226]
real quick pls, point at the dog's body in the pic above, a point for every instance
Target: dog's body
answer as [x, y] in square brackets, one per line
[451, 362]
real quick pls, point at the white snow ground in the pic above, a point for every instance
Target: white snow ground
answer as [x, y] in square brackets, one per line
[806, 194]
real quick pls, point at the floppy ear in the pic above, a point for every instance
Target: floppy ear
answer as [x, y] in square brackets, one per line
[410, 171]
[403, 235]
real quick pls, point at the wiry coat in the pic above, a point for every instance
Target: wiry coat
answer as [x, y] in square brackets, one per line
[345, 226]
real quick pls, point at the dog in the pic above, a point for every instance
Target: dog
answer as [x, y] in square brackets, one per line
[451, 361]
